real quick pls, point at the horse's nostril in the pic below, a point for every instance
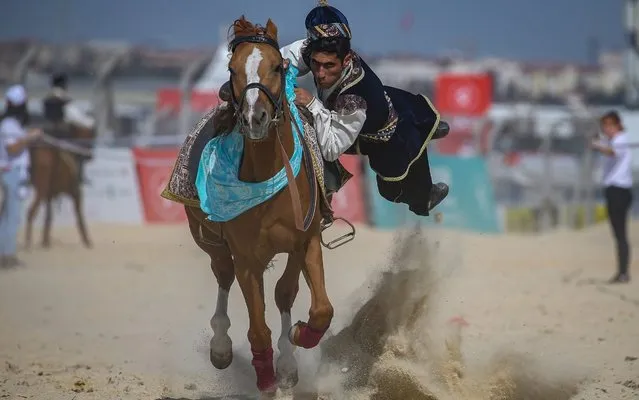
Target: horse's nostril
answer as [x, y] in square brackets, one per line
[263, 115]
[258, 121]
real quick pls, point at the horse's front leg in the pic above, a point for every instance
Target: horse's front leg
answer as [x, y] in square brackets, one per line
[249, 275]
[309, 334]
[221, 346]
[285, 294]
[48, 218]
[31, 214]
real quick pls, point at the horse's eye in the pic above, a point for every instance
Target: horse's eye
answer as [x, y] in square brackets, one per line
[231, 71]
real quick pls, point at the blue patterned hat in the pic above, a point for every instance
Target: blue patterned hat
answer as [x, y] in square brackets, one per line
[325, 21]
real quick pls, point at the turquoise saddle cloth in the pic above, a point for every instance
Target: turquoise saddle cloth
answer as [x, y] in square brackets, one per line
[222, 195]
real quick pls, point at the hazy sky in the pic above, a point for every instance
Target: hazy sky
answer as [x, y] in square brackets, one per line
[524, 29]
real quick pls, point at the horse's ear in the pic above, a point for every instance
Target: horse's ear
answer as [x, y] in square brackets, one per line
[271, 29]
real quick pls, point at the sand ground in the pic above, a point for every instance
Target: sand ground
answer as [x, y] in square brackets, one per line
[129, 319]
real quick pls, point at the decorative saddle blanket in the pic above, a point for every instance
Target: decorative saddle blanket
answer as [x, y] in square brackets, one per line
[203, 141]
[223, 196]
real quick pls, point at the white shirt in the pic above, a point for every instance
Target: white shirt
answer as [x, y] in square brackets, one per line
[73, 113]
[11, 131]
[618, 168]
[336, 132]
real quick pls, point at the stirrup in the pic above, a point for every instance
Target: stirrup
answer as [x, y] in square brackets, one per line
[340, 241]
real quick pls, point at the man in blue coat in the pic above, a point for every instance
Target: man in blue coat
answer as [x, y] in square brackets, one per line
[355, 113]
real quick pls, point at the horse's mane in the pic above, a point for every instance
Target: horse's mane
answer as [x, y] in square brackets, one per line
[225, 119]
[243, 27]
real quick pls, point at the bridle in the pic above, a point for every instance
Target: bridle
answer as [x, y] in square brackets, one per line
[301, 223]
[278, 102]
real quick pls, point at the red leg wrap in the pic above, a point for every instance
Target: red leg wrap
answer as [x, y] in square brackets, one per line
[308, 337]
[263, 364]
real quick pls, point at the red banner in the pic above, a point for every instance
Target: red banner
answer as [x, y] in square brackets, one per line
[154, 168]
[348, 203]
[171, 98]
[463, 94]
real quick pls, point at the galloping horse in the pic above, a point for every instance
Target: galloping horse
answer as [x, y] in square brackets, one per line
[242, 247]
[54, 172]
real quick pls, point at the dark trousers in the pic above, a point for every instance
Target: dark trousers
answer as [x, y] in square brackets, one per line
[618, 202]
[413, 190]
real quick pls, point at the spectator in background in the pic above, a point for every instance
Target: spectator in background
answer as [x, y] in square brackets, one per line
[14, 158]
[617, 182]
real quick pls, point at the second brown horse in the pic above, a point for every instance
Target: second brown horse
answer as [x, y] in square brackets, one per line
[55, 171]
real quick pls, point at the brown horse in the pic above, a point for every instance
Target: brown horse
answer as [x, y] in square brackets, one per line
[54, 172]
[243, 247]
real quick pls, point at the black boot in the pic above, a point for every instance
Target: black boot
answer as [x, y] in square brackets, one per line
[442, 130]
[438, 193]
[327, 214]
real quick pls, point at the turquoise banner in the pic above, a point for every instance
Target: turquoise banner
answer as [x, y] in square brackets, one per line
[470, 205]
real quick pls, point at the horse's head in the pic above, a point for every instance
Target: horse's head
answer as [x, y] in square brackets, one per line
[257, 77]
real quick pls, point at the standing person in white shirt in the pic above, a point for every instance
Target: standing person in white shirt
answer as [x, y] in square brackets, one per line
[14, 157]
[617, 182]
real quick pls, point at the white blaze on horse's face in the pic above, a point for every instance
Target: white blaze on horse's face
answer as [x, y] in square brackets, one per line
[254, 113]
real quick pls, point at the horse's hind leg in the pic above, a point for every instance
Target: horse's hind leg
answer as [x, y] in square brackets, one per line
[79, 218]
[285, 294]
[221, 346]
[308, 335]
[31, 214]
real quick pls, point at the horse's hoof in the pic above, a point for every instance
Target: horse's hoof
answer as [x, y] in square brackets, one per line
[302, 335]
[268, 394]
[286, 370]
[221, 361]
[288, 380]
[221, 353]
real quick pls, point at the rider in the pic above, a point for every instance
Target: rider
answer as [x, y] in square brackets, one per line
[355, 114]
[59, 109]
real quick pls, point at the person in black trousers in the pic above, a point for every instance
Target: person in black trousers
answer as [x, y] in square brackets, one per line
[617, 182]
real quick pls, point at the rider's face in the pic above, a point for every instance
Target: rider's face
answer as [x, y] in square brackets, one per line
[327, 68]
